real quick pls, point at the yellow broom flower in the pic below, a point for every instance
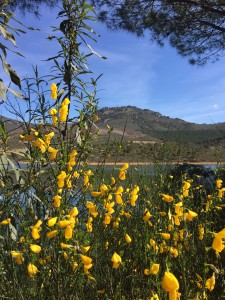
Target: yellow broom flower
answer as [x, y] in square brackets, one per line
[86, 260]
[210, 282]
[116, 259]
[32, 270]
[35, 248]
[53, 88]
[52, 234]
[169, 282]
[128, 239]
[5, 222]
[51, 222]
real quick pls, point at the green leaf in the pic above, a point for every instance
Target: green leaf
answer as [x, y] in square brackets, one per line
[7, 35]
[3, 131]
[2, 90]
[17, 94]
[13, 231]
[11, 72]
[103, 57]
[3, 49]
[15, 169]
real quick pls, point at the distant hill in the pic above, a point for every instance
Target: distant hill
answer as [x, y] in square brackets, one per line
[147, 125]
[145, 135]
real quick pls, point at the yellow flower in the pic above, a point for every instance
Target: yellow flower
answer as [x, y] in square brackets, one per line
[85, 249]
[52, 234]
[186, 185]
[52, 221]
[75, 265]
[92, 208]
[53, 153]
[61, 177]
[123, 171]
[134, 195]
[116, 259]
[147, 215]
[201, 232]
[95, 118]
[32, 269]
[176, 220]
[166, 236]
[221, 234]
[146, 272]
[48, 138]
[65, 246]
[53, 88]
[106, 245]
[68, 232]
[5, 222]
[35, 233]
[169, 282]
[162, 213]
[154, 269]
[86, 260]
[128, 239]
[39, 143]
[96, 194]
[18, 256]
[113, 181]
[53, 111]
[66, 101]
[154, 297]
[219, 183]
[173, 251]
[217, 244]
[191, 214]
[29, 137]
[38, 224]
[35, 248]
[220, 192]
[107, 219]
[54, 120]
[64, 223]
[22, 240]
[125, 166]
[174, 295]
[210, 282]
[119, 199]
[167, 198]
[63, 113]
[57, 201]
[73, 212]
[104, 189]
[87, 267]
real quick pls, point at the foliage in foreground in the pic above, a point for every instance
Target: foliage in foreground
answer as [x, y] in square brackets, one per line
[116, 239]
[71, 231]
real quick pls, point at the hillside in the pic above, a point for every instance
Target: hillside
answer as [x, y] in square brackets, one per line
[147, 125]
[145, 135]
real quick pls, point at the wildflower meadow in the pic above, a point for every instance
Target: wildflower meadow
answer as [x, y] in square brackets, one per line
[69, 230]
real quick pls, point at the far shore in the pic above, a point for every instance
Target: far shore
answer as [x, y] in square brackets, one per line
[140, 163]
[159, 163]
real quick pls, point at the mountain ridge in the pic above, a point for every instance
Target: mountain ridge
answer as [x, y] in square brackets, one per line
[147, 124]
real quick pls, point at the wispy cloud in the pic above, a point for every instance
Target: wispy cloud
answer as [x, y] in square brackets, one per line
[136, 72]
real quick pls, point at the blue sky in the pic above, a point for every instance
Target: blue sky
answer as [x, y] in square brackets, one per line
[137, 72]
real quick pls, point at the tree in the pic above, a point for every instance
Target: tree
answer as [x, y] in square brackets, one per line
[31, 5]
[196, 28]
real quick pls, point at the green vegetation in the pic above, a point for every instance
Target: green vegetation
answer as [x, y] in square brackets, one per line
[71, 231]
